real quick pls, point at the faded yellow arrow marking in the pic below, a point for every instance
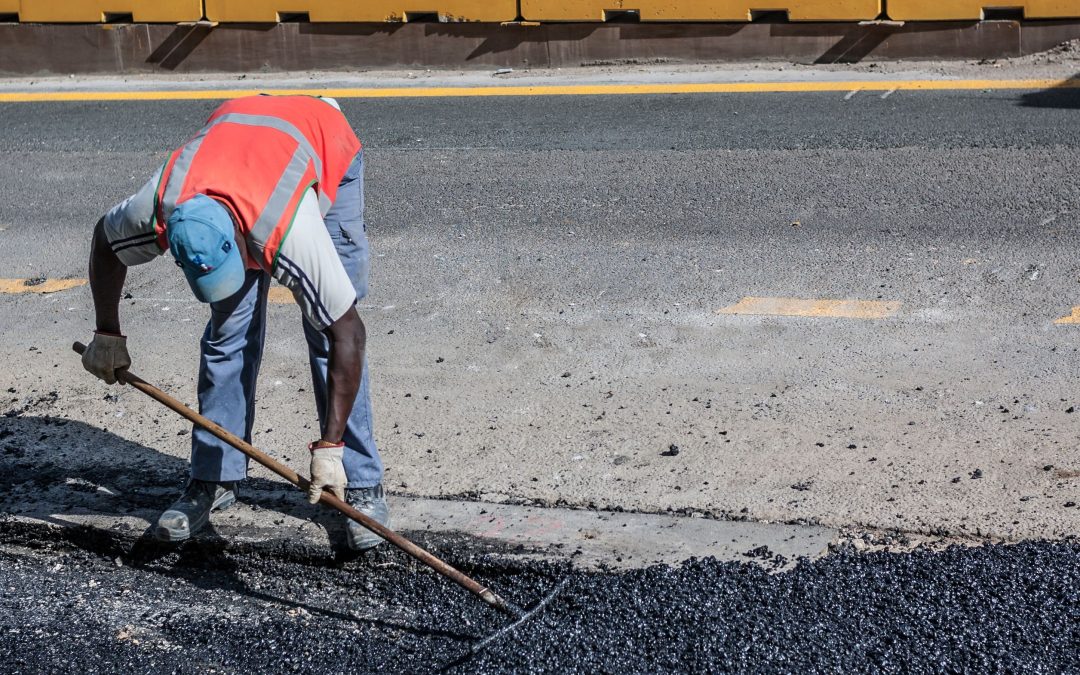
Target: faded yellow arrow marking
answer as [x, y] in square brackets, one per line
[280, 295]
[1072, 318]
[823, 308]
[39, 286]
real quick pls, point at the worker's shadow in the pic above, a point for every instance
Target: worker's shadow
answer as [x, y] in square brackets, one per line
[1063, 95]
[106, 492]
[53, 468]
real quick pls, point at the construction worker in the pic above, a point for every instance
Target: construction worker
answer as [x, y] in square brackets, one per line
[272, 186]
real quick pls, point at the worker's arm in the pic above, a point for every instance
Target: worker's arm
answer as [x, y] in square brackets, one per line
[348, 338]
[107, 276]
[125, 236]
[107, 354]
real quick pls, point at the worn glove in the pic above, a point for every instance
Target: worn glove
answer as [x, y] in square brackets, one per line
[326, 471]
[106, 354]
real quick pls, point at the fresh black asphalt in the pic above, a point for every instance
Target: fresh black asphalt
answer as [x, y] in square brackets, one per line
[84, 605]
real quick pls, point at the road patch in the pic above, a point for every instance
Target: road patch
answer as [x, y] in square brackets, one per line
[816, 308]
[589, 539]
[1073, 318]
[39, 285]
[279, 295]
[153, 609]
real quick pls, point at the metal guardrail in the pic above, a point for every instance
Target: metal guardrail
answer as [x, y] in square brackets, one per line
[700, 10]
[360, 11]
[497, 11]
[98, 11]
[976, 10]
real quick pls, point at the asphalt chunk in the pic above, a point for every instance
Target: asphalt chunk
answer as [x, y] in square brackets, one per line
[672, 451]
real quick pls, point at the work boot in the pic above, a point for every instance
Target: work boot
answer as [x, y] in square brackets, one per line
[372, 503]
[191, 512]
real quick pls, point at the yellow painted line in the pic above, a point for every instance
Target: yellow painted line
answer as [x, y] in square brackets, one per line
[838, 309]
[30, 285]
[546, 90]
[1071, 319]
[279, 295]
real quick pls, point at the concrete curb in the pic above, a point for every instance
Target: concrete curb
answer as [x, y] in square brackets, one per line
[203, 47]
[587, 539]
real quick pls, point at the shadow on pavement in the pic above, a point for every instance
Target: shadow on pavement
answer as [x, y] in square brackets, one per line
[210, 563]
[1065, 95]
[52, 466]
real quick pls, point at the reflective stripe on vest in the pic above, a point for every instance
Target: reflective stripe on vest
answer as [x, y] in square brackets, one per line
[283, 196]
[283, 200]
[187, 154]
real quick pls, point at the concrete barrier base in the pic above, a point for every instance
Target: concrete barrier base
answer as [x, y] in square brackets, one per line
[38, 49]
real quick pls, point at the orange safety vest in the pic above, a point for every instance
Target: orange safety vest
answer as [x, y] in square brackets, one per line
[257, 156]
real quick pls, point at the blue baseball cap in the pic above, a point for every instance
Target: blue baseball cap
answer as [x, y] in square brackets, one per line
[202, 239]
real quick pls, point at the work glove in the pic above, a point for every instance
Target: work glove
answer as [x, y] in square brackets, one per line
[327, 471]
[106, 354]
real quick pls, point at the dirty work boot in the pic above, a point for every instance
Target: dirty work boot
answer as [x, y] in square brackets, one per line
[192, 511]
[372, 503]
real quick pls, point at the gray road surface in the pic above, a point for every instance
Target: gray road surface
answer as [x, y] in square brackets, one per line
[543, 316]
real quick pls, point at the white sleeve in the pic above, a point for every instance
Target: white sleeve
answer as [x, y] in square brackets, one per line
[129, 226]
[309, 266]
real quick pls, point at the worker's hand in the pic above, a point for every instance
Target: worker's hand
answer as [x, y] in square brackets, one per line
[326, 470]
[106, 355]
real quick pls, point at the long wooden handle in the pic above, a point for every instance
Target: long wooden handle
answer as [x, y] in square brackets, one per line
[327, 498]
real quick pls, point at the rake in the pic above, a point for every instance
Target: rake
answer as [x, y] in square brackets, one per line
[490, 597]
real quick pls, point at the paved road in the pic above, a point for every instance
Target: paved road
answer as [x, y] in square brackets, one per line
[544, 318]
[545, 328]
[99, 607]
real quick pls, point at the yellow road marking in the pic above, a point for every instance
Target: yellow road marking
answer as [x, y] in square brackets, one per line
[1072, 318]
[546, 90]
[280, 295]
[47, 286]
[840, 309]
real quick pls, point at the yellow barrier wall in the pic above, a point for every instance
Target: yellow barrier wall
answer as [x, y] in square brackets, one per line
[93, 11]
[9, 6]
[701, 10]
[971, 10]
[359, 10]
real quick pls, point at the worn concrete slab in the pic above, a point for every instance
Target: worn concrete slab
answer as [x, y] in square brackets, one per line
[589, 539]
[595, 538]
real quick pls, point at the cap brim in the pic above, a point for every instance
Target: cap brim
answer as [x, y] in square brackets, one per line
[218, 284]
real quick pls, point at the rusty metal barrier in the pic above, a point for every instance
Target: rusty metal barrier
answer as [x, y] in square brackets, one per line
[97, 11]
[976, 10]
[699, 10]
[318, 11]
[493, 11]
